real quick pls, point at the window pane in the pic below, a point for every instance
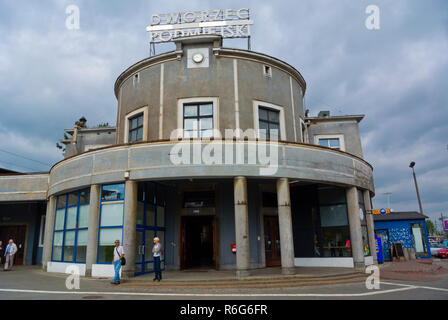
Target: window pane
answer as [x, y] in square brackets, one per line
[84, 196]
[334, 143]
[108, 236]
[140, 134]
[190, 111]
[160, 216]
[263, 114]
[336, 242]
[81, 247]
[140, 213]
[206, 110]
[191, 124]
[133, 136]
[111, 214]
[273, 116]
[83, 219]
[71, 218]
[69, 246]
[206, 123]
[139, 249]
[133, 123]
[113, 192]
[161, 236]
[149, 266]
[57, 245]
[149, 215]
[332, 216]
[140, 121]
[331, 196]
[59, 219]
[206, 133]
[324, 142]
[190, 134]
[263, 129]
[149, 192]
[73, 199]
[61, 201]
[273, 131]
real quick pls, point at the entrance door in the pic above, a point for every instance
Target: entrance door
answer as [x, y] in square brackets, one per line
[272, 241]
[384, 236]
[198, 242]
[18, 234]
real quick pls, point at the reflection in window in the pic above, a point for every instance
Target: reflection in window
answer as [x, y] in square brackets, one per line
[70, 226]
[330, 143]
[198, 120]
[269, 123]
[136, 128]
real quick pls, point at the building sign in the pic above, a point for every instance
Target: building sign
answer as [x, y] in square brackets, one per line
[381, 211]
[227, 23]
[445, 225]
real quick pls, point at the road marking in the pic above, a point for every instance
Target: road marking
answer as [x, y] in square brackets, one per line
[152, 294]
[418, 287]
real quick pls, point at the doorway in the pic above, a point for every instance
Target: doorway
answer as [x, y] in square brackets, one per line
[198, 239]
[272, 241]
[18, 235]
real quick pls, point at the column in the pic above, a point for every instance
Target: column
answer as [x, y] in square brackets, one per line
[48, 235]
[285, 226]
[370, 225]
[92, 232]
[241, 227]
[129, 228]
[354, 221]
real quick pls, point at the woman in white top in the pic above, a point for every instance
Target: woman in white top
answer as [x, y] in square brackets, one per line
[157, 252]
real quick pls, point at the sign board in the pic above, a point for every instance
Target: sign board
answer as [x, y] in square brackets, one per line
[381, 211]
[445, 225]
[379, 248]
[398, 251]
[228, 23]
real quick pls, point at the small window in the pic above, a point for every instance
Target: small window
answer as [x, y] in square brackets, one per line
[136, 128]
[269, 123]
[267, 71]
[198, 120]
[332, 143]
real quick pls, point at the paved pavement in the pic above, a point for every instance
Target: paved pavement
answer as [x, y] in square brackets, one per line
[32, 283]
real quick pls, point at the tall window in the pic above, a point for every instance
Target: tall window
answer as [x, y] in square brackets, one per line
[334, 239]
[70, 227]
[150, 224]
[136, 128]
[269, 123]
[198, 120]
[111, 221]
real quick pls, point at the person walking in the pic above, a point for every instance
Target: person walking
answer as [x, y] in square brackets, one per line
[157, 252]
[10, 252]
[1, 252]
[118, 255]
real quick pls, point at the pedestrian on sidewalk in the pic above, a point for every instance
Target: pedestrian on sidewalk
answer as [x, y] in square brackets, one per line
[2, 252]
[157, 252]
[118, 256]
[10, 252]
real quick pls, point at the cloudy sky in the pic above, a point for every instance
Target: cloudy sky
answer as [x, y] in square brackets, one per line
[397, 76]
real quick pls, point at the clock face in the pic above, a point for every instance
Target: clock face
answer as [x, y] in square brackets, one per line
[198, 57]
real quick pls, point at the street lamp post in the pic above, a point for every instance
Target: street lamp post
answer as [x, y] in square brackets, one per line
[411, 165]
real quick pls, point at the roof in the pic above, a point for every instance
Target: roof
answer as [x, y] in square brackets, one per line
[403, 215]
[352, 117]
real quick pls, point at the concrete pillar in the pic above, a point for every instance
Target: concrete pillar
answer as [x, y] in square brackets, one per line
[241, 227]
[92, 232]
[129, 228]
[48, 235]
[370, 226]
[354, 221]
[285, 226]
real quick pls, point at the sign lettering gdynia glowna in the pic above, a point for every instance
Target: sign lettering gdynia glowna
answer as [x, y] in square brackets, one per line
[228, 23]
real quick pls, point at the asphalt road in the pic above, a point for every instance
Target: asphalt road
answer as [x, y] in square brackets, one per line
[32, 283]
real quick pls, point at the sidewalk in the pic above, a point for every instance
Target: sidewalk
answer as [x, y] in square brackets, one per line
[413, 270]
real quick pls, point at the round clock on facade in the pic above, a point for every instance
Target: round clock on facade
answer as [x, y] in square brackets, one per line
[198, 57]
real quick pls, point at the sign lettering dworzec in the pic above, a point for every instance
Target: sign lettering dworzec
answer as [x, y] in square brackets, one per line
[228, 23]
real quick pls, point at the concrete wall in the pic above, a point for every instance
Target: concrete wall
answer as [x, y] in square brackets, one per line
[349, 129]
[217, 80]
[24, 187]
[88, 139]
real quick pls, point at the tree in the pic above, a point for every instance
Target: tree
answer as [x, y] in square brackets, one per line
[431, 228]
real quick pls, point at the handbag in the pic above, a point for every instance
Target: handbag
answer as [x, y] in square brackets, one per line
[123, 260]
